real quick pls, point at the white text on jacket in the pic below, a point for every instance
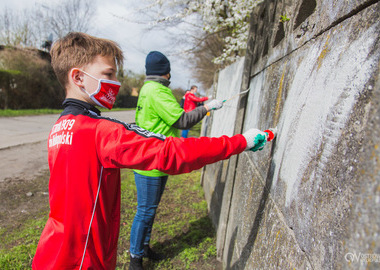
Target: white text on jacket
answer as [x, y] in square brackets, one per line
[60, 133]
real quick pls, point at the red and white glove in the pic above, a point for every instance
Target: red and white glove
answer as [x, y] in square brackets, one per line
[256, 139]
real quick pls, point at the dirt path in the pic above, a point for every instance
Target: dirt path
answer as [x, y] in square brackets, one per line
[23, 146]
[24, 173]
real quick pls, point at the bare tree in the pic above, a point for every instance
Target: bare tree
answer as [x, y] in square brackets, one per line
[16, 28]
[5, 22]
[209, 48]
[68, 16]
[33, 27]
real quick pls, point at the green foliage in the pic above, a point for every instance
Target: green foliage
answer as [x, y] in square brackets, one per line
[195, 131]
[27, 80]
[189, 255]
[4, 72]
[200, 205]
[129, 81]
[18, 258]
[178, 93]
[284, 18]
[210, 249]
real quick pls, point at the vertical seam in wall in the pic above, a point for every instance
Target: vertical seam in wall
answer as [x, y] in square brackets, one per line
[246, 70]
[280, 214]
[214, 88]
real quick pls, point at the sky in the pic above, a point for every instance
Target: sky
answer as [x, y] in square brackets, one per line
[136, 43]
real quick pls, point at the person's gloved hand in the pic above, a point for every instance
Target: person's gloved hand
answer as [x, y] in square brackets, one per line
[214, 105]
[256, 139]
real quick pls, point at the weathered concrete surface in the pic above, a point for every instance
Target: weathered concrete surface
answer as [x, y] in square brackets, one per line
[272, 39]
[310, 199]
[257, 234]
[229, 83]
[227, 88]
[326, 87]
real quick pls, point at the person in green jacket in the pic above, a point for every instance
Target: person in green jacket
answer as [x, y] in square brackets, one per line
[159, 112]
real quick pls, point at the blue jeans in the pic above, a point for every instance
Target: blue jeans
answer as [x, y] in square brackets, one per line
[149, 192]
[184, 133]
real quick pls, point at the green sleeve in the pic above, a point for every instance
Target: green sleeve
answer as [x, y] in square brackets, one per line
[166, 106]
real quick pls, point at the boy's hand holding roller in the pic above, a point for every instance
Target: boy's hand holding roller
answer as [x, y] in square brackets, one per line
[256, 139]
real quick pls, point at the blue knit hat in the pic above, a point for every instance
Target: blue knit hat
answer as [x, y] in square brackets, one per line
[157, 64]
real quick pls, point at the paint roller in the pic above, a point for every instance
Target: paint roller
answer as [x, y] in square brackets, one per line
[272, 132]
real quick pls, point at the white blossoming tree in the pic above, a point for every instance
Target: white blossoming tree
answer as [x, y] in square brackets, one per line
[228, 18]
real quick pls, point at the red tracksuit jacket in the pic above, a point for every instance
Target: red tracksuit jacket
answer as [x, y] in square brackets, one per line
[191, 101]
[86, 152]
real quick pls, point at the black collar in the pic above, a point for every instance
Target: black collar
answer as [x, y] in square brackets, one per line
[81, 104]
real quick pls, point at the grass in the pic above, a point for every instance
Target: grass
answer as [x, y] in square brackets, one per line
[182, 229]
[18, 246]
[195, 130]
[12, 113]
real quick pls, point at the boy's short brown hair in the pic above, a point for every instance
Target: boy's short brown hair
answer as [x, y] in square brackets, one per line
[78, 49]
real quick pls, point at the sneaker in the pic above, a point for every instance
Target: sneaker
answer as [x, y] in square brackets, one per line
[135, 264]
[151, 255]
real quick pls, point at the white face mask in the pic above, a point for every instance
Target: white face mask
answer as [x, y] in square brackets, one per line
[105, 94]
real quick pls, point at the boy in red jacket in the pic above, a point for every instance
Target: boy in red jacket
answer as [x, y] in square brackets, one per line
[191, 102]
[86, 152]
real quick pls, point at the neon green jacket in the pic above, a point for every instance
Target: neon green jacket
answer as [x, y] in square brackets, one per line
[157, 110]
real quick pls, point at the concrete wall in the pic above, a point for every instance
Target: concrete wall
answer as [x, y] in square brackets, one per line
[311, 198]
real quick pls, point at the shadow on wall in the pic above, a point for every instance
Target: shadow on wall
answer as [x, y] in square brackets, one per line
[217, 195]
[247, 249]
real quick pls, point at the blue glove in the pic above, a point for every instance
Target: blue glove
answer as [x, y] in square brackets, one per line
[256, 139]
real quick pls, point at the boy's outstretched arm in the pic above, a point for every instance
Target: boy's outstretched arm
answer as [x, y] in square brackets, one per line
[127, 146]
